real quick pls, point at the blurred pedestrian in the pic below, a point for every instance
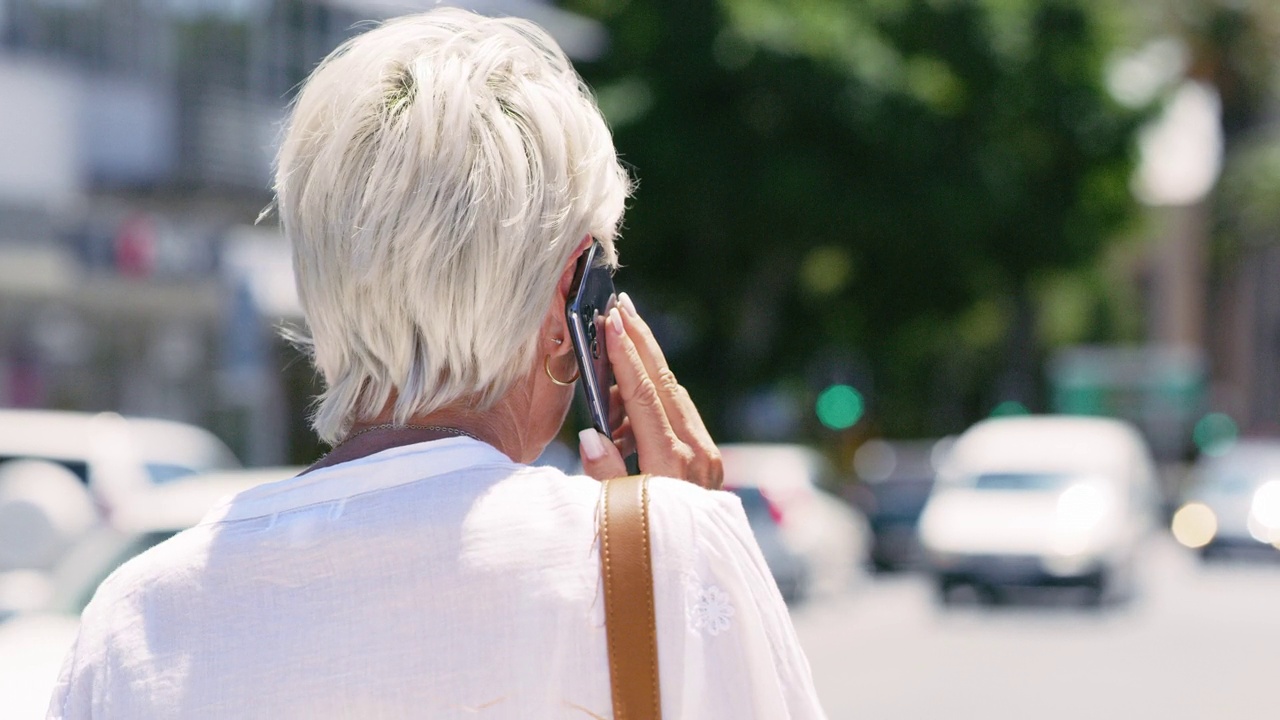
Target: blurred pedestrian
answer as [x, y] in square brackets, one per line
[439, 178]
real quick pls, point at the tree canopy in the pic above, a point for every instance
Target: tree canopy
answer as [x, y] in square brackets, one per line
[857, 192]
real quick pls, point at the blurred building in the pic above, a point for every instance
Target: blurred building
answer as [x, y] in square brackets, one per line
[1220, 302]
[136, 140]
[1211, 315]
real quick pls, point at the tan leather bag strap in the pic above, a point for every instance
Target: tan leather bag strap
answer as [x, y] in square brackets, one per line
[630, 620]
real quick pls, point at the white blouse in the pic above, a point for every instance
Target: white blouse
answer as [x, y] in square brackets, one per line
[436, 580]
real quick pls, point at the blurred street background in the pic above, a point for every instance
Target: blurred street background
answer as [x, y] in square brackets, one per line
[1191, 647]
[895, 249]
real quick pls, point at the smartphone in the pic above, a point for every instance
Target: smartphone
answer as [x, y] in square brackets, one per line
[591, 297]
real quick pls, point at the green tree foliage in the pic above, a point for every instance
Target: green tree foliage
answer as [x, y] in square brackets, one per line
[841, 191]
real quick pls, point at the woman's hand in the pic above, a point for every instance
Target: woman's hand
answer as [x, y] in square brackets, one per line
[660, 421]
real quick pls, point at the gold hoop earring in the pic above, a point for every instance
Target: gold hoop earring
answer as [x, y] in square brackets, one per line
[546, 365]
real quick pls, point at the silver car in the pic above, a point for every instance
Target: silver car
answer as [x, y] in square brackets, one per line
[1234, 508]
[788, 569]
[825, 531]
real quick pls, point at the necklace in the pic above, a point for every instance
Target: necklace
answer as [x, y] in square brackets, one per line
[331, 457]
[394, 426]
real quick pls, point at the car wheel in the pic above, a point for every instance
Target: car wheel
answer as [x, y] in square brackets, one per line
[792, 590]
[1096, 591]
[990, 595]
[944, 590]
[788, 592]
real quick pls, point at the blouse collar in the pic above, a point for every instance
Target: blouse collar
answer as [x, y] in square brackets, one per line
[391, 467]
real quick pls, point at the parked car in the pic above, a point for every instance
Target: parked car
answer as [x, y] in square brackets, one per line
[39, 611]
[40, 623]
[1234, 506]
[43, 509]
[788, 569]
[825, 531]
[1040, 501]
[111, 454]
[895, 479]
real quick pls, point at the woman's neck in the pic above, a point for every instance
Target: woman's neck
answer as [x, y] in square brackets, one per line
[368, 439]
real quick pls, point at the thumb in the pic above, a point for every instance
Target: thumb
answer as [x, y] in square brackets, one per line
[600, 458]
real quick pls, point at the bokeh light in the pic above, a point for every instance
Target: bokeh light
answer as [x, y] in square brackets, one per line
[875, 461]
[1194, 525]
[1009, 408]
[840, 407]
[1215, 433]
[826, 270]
[1264, 514]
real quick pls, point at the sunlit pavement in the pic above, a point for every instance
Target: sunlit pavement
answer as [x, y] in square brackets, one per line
[1200, 642]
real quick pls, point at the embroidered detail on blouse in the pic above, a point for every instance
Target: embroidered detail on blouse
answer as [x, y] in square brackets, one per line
[710, 609]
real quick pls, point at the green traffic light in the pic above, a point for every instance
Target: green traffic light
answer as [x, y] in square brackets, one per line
[840, 407]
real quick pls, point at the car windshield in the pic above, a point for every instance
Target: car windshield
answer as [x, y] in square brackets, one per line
[162, 473]
[1021, 481]
[1234, 483]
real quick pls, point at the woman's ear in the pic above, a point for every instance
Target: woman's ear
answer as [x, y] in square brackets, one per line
[566, 273]
[554, 325]
[555, 335]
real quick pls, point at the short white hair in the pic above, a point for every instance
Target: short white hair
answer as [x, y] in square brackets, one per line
[436, 174]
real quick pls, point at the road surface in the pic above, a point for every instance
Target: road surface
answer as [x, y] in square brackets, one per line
[1199, 643]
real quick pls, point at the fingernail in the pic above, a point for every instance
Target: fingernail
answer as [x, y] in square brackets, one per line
[625, 301]
[615, 321]
[592, 445]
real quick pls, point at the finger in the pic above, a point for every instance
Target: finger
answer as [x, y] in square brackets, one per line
[659, 449]
[705, 467]
[624, 439]
[600, 459]
[617, 412]
[681, 412]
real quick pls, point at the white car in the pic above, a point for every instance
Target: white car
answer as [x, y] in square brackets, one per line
[830, 536]
[1040, 500]
[39, 611]
[111, 454]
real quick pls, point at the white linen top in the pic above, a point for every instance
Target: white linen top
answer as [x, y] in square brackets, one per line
[434, 580]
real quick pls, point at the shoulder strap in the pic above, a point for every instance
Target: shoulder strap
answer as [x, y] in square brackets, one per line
[630, 621]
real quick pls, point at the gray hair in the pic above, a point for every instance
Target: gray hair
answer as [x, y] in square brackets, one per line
[435, 175]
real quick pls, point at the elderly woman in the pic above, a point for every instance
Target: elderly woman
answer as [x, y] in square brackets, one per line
[439, 178]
